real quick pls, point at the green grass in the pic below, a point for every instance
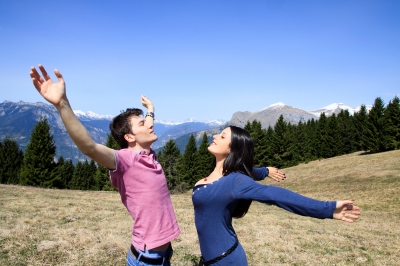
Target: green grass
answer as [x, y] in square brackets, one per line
[93, 228]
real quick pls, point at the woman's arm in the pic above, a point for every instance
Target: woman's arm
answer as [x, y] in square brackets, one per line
[260, 173]
[246, 188]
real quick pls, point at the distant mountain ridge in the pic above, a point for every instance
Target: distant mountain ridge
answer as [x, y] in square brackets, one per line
[337, 108]
[267, 117]
[18, 119]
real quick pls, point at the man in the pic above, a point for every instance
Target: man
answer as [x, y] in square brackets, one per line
[134, 171]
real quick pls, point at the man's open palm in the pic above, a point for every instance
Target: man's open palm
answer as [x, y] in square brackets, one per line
[54, 93]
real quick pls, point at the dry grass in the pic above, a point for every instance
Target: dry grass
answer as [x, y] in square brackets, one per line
[61, 227]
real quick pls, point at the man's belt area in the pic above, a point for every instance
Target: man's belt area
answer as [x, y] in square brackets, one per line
[151, 261]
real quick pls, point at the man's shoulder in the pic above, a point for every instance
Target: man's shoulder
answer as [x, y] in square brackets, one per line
[125, 154]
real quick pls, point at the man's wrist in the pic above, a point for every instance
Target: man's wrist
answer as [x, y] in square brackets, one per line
[151, 114]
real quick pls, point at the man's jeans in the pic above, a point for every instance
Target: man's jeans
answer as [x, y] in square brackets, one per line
[132, 261]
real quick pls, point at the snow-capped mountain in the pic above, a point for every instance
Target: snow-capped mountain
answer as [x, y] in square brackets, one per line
[18, 119]
[91, 116]
[336, 108]
[216, 122]
[268, 116]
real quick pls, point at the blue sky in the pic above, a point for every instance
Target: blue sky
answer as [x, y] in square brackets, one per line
[203, 59]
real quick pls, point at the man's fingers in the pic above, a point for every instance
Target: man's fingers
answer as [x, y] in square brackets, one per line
[44, 73]
[34, 73]
[58, 75]
[36, 84]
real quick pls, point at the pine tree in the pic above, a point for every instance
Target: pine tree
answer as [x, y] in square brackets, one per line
[62, 174]
[322, 137]
[169, 157]
[83, 177]
[76, 181]
[269, 157]
[205, 158]
[58, 179]
[259, 137]
[298, 146]
[373, 136]
[333, 140]
[39, 156]
[280, 148]
[392, 125]
[360, 121]
[348, 132]
[290, 157]
[102, 176]
[91, 176]
[312, 140]
[248, 127]
[68, 172]
[187, 166]
[11, 158]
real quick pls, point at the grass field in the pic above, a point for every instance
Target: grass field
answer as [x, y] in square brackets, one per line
[65, 227]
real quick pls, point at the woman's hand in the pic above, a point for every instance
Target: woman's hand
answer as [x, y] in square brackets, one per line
[275, 174]
[345, 211]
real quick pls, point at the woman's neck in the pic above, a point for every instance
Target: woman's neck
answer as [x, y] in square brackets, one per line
[218, 170]
[216, 174]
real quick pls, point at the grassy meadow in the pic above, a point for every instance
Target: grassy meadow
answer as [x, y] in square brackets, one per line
[66, 227]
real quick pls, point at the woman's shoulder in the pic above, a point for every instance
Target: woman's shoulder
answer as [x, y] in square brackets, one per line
[240, 179]
[238, 175]
[202, 181]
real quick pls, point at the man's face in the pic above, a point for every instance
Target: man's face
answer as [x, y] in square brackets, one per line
[142, 132]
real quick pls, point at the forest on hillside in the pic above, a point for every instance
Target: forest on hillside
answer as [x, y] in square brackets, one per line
[282, 145]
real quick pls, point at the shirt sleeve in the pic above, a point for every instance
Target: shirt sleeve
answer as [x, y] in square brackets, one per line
[260, 173]
[246, 188]
[123, 159]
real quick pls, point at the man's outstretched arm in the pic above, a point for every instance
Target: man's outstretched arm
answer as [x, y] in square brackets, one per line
[55, 93]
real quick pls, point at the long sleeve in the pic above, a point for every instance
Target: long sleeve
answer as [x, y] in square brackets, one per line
[260, 173]
[246, 188]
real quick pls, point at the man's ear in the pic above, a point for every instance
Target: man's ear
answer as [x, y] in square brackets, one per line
[129, 138]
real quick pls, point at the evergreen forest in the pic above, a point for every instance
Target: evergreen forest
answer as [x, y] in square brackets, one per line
[282, 145]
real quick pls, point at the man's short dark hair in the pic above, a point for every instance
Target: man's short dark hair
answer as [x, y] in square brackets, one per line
[121, 125]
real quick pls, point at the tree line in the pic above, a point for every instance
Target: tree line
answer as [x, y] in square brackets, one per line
[286, 145]
[38, 167]
[282, 145]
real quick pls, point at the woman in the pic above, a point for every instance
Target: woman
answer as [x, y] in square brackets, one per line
[228, 191]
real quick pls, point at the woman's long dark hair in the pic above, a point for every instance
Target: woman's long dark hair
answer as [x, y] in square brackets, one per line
[240, 159]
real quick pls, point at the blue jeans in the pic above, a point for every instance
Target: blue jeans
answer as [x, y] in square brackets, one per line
[132, 261]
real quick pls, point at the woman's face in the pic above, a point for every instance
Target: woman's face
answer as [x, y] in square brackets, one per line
[221, 143]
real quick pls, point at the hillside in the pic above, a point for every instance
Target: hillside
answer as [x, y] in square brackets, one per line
[60, 227]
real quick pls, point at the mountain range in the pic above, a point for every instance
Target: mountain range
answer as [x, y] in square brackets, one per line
[17, 120]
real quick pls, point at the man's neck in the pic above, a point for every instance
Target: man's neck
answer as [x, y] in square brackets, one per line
[138, 148]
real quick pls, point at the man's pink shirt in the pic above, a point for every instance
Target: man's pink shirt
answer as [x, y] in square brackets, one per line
[142, 185]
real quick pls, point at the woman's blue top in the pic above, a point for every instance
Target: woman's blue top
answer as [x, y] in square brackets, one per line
[214, 204]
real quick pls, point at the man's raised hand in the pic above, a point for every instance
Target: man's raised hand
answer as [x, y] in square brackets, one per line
[54, 93]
